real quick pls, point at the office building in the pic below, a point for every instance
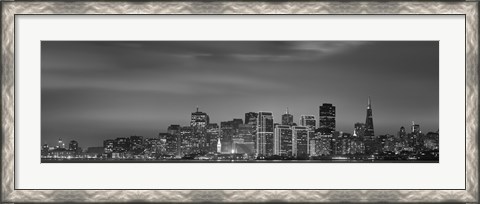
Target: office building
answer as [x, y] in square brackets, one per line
[212, 135]
[414, 135]
[287, 118]
[415, 128]
[251, 118]
[199, 120]
[246, 132]
[300, 141]
[283, 140]
[188, 143]
[369, 132]
[327, 119]
[308, 121]
[172, 145]
[264, 144]
[227, 131]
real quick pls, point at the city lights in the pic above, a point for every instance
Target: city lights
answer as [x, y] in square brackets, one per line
[260, 138]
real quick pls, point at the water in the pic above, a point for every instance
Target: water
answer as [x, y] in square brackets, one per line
[232, 161]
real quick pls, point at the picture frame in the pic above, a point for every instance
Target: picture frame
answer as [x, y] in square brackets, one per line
[11, 9]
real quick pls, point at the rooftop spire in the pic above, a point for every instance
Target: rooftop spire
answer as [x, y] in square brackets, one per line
[286, 112]
[197, 109]
[369, 103]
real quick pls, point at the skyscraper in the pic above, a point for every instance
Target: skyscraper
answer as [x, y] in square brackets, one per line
[414, 135]
[415, 128]
[283, 140]
[287, 118]
[251, 118]
[243, 141]
[173, 140]
[308, 121]
[188, 142]
[264, 134]
[245, 132]
[199, 120]
[300, 141]
[236, 123]
[327, 119]
[369, 135]
[173, 129]
[227, 131]
[369, 121]
[212, 136]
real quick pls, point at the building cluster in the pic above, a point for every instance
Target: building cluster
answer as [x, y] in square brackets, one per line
[257, 136]
[60, 150]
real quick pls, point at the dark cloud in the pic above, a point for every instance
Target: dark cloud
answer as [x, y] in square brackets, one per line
[96, 90]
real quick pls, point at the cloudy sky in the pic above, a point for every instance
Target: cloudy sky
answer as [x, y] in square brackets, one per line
[92, 91]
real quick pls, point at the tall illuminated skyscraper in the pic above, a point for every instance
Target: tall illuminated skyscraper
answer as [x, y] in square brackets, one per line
[227, 131]
[199, 120]
[173, 140]
[310, 122]
[265, 134]
[300, 141]
[251, 119]
[415, 128]
[327, 119]
[287, 118]
[414, 135]
[369, 135]
[369, 121]
[283, 140]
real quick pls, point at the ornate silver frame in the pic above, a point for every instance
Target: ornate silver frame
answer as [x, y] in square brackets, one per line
[12, 8]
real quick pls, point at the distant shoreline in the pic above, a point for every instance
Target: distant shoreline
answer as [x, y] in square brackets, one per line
[234, 161]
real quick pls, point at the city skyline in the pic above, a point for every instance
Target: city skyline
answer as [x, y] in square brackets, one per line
[260, 139]
[97, 90]
[316, 124]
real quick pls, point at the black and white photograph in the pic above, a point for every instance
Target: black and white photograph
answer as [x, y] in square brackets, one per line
[239, 101]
